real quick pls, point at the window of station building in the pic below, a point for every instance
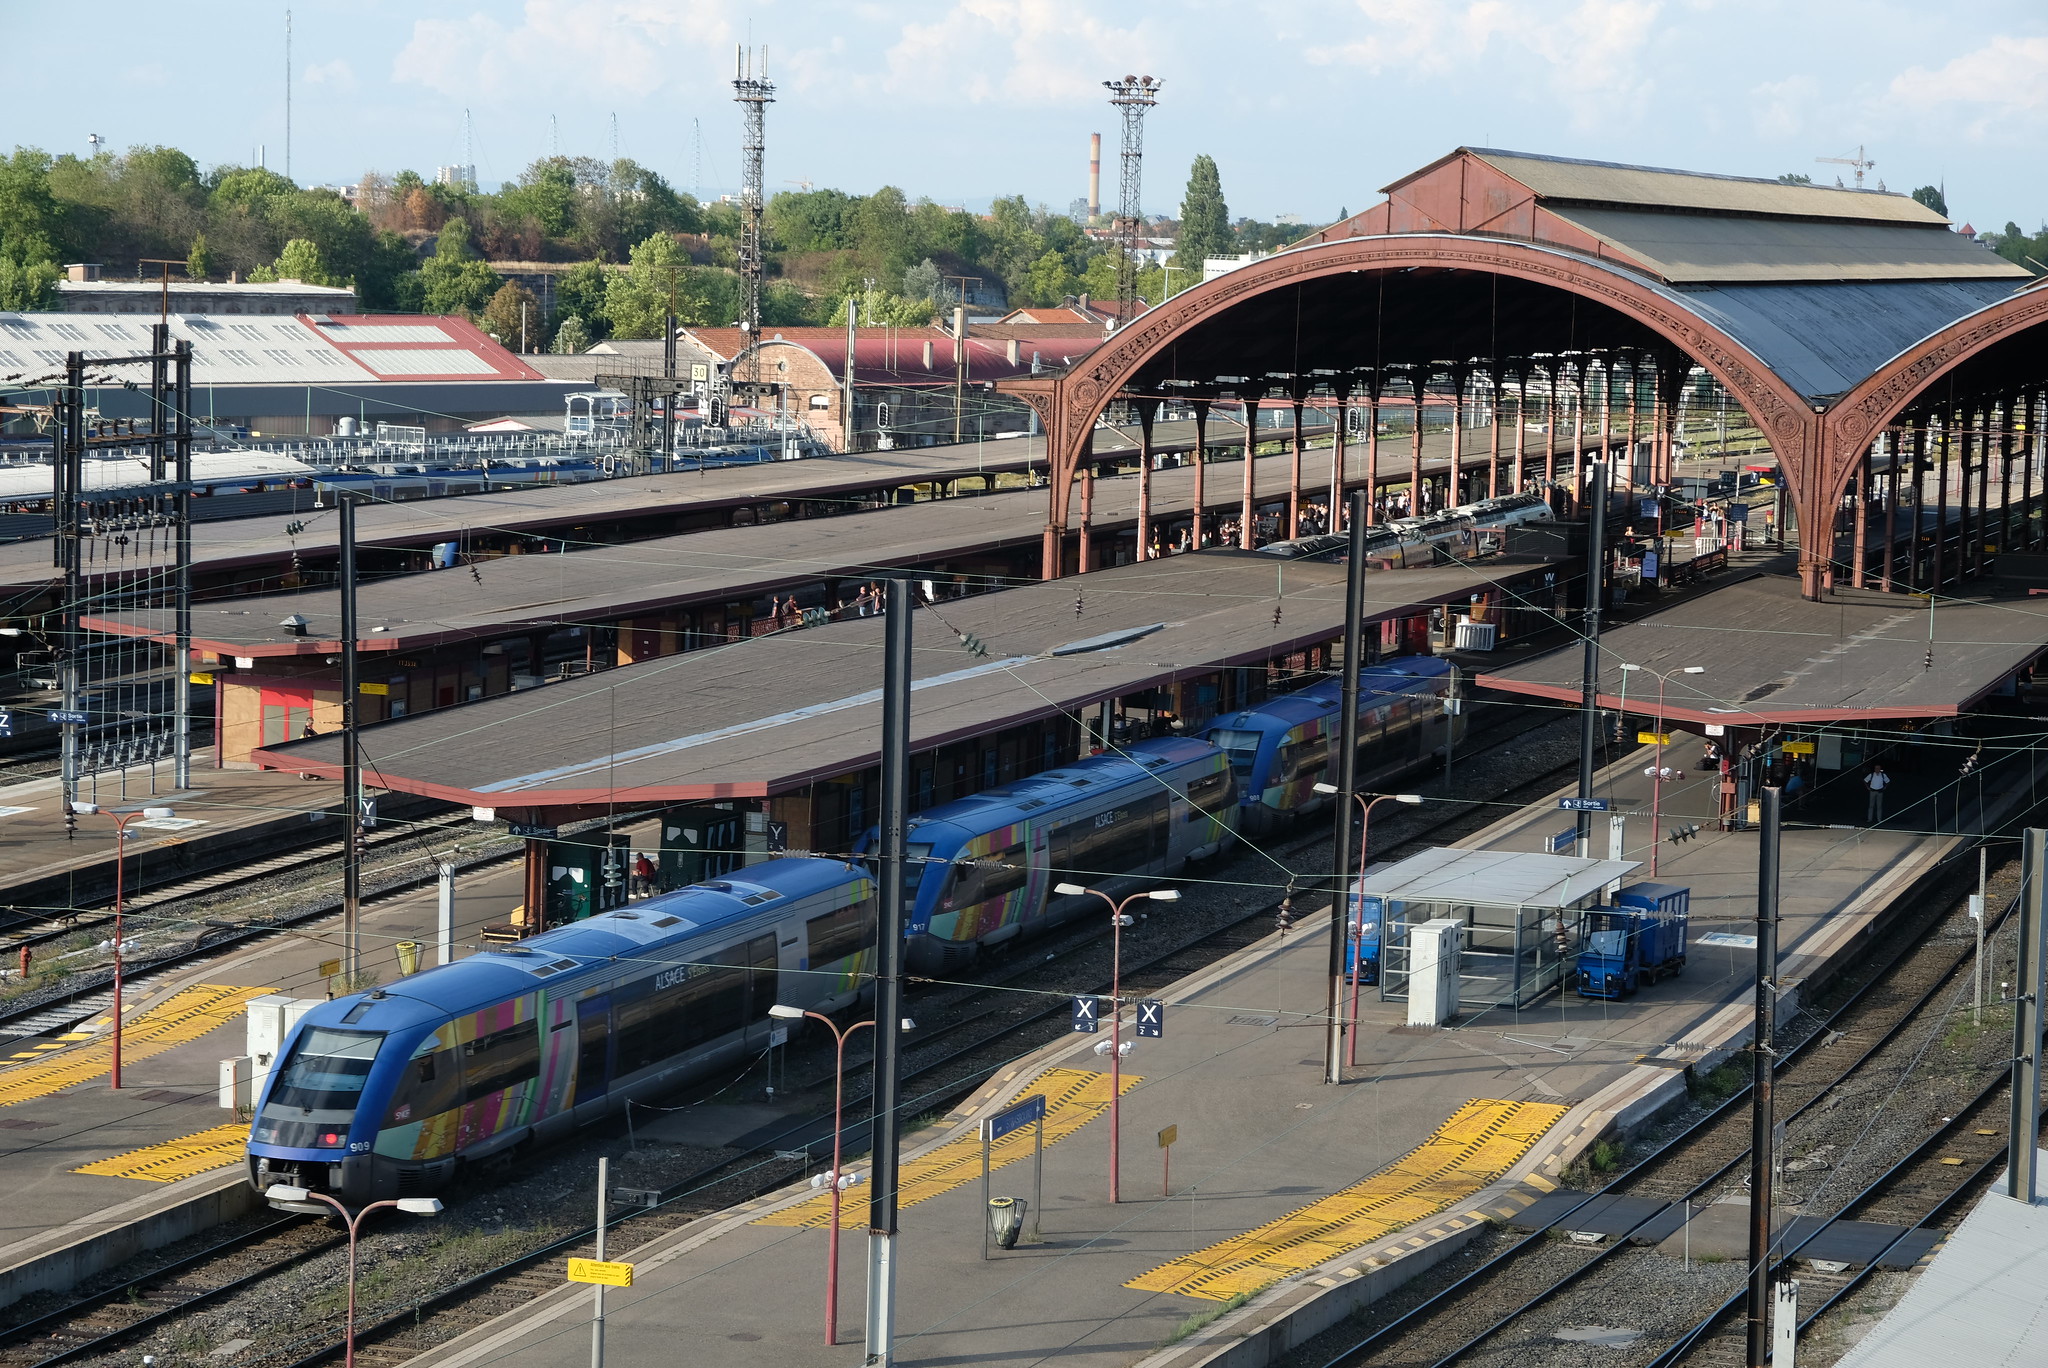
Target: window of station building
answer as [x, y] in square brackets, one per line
[500, 1060]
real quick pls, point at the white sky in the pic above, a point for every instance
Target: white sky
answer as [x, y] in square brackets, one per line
[1307, 105]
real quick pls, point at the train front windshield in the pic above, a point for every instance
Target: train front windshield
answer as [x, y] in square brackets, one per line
[314, 1099]
[1241, 746]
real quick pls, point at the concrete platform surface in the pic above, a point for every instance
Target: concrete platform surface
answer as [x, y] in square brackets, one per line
[1260, 1138]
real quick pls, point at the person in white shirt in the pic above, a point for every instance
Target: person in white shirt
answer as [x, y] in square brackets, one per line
[1877, 781]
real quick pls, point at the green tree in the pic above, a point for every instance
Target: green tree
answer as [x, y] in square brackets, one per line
[572, 337]
[1050, 280]
[880, 309]
[547, 193]
[198, 259]
[390, 280]
[513, 317]
[300, 260]
[450, 282]
[30, 218]
[579, 293]
[636, 300]
[1204, 219]
[1795, 178]
[1931, 196]
[27, 287]
[924, 282]
[246, 187]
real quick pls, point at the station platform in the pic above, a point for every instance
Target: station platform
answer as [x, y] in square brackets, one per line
[227, 817]
[1290, 1202]
[94, 1175]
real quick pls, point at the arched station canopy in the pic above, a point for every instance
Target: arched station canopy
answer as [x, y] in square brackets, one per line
[1487, 273]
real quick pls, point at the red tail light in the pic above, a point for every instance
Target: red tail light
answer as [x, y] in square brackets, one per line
[331, 1138]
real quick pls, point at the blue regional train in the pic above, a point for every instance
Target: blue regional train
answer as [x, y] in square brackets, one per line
[1282, 748]
[984, 866]
[388, 1093]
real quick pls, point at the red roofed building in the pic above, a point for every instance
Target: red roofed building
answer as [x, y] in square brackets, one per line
[910, 386]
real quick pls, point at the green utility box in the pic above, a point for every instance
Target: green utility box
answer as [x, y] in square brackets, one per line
[700, 843]
[587, 876]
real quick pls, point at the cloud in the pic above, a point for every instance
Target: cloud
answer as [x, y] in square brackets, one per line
[1779, 108]
[633, 46]
[337, 74]
[1034, 52]
[2007, 74]
[1592, 56]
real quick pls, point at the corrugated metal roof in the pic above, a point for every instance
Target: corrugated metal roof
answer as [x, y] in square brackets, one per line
[1772, 656]
[1710, 247]
[237, 349]
[773, 713]
[1825, 338]
[1977, 1302]
[1596, 182]
[1495, 878]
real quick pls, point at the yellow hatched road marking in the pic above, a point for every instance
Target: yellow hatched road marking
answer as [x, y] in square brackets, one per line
[1478, 1144]
[180, 1158]
[187, 1016]
[1073, 1098]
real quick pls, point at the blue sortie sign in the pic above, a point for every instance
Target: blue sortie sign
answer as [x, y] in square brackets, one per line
[1583, 804]
[1015, 1119]
[1086, 1014]
[68, 717]
[1152, 1018]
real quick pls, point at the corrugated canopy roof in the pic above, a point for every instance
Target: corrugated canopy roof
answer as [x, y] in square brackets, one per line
[1692, 247]
[1494, 878]
[1597, 182]
[1772, 656]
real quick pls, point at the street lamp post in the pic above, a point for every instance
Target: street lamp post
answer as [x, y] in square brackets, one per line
[1657, 768]
[121, 821]
[417, 1206]
[783, 1012]
[1118, 920]
[1358, 920]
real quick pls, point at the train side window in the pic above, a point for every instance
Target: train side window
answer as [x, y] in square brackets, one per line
[502, 1059]
[1210, 794]
[977, 881]
[431, 1084]
[837, 935]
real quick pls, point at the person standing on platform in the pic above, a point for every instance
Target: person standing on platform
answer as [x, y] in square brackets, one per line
[1877, 781]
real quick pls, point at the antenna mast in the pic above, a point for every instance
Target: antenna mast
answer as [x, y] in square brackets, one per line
[1133, 95]
[615, 137]
[287, 94]
[697, 158]
[753, 94]
[468, 157]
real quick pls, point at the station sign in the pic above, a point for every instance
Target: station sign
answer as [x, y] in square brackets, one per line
[607, 1273]
[1087, 1014]
[1025, 1113]
[1152, 1018]
[533, 830]
[1563, 840]
[1797, 747]
[1653, 738]
[1168, 1135]
[6, 723]
[1582, 804]
[69, 717]
[1716, 729]
[1738, 512]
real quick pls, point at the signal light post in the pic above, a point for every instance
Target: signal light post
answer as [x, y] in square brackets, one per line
[1357, 923]
[121, 821]
[1657, 768]
[1118, 920]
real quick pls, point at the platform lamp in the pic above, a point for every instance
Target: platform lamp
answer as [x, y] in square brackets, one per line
[1657, 767]
[838, 1181]
[121, 821]
[1118, 920]
[1358, 921]
[415, 1206]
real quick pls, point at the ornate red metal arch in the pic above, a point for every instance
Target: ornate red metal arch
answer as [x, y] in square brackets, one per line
[1858, 416]
[1068, 405]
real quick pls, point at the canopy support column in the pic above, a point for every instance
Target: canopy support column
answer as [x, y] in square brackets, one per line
[1294, 476]
[1249, 497]
[1201, 462]
[1148, 411]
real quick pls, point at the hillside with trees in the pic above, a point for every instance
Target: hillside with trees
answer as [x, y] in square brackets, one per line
[617, 243]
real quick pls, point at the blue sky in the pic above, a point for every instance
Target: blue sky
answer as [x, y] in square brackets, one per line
[1307, 105]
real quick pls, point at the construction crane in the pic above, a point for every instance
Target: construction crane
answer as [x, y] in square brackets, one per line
[802, 185]
[1859, 161]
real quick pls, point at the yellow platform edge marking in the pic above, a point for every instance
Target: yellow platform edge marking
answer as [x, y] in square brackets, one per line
[1476, 1146]
[202, 1152]
[185, 1017]
[1073, 1098]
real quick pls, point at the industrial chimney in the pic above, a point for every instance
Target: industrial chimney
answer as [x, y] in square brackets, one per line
[1094, 176]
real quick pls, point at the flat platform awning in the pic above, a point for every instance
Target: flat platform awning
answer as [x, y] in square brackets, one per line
[1494, 878]
[772, 714]
[1770, 656]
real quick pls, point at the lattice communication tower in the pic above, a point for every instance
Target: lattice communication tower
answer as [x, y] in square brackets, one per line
[754, 93]
[1133, 95]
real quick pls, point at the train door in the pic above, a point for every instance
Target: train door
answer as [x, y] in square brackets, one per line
[593, 1047]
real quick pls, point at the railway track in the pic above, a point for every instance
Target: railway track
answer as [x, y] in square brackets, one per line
[1894, 1010]
[970, 1034]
